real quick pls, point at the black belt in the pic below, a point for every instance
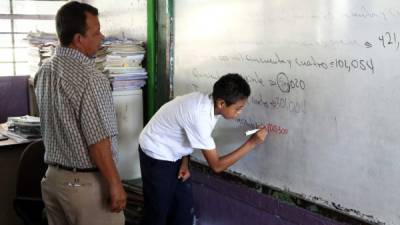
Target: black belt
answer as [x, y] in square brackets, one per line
[58, 166]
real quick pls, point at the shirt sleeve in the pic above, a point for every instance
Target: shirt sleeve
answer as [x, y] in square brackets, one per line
[98, 117]
[199, 130]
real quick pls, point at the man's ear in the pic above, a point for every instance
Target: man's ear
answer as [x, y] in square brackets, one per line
[220, 103]
[76, 40]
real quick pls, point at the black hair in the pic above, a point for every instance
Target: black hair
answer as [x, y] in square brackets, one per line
[231, 88]
[71, 19]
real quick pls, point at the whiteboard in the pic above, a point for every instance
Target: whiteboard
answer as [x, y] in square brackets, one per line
[324, 74]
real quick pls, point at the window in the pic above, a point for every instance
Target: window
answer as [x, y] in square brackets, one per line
[17, 19]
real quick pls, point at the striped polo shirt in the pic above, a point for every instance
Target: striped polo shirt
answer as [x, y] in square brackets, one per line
[76, 108]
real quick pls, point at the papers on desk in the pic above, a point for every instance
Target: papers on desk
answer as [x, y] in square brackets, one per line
[18, 139]
[22, 128]
[24, 120]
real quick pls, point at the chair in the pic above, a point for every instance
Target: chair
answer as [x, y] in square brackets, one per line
[28, 202]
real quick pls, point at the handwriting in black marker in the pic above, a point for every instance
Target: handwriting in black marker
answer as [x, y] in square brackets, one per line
[367, 44]
[285, 85]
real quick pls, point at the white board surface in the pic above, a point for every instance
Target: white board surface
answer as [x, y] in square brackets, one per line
[326, 72]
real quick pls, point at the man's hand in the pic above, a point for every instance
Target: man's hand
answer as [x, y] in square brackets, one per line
[184, 172]
[260, 135]
[101, 155]
[117, 197]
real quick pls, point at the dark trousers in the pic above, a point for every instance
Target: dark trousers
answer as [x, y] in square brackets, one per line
[167, 200]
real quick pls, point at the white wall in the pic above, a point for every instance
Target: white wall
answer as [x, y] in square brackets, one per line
[118, 17]
[129, 109]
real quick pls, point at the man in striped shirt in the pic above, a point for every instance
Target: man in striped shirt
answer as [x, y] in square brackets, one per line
[79, 128]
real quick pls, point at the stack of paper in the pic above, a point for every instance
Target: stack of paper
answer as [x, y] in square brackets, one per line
[42, 46]
[23, 127]
[121, 61]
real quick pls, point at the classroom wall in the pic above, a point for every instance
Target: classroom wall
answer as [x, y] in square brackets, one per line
[122, 18]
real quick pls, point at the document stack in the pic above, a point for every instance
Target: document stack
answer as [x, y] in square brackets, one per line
[121, 62]
[22, 128]
[42, 46]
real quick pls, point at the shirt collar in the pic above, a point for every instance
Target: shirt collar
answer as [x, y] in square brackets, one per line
[70, 52]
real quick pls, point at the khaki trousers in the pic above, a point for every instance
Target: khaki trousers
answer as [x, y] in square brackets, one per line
[77, 198]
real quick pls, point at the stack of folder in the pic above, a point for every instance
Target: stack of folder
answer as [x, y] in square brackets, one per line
[42, 47]
[22, 128]
[121, 62]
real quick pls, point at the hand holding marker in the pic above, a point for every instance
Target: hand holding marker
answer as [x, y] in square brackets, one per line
[270, 128]
[250, 132]
[259, 134]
